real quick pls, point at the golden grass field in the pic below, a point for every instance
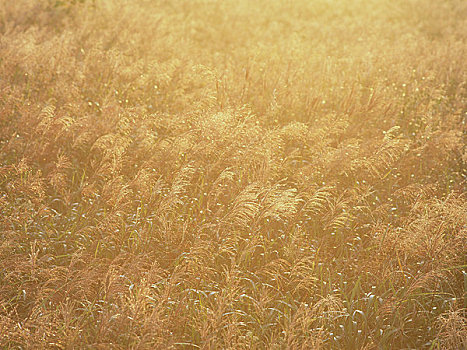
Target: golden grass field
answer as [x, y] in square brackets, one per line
[207, 174]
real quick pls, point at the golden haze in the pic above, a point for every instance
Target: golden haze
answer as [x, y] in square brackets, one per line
[192, 174]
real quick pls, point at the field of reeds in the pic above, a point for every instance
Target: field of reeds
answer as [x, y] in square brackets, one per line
[236, 174]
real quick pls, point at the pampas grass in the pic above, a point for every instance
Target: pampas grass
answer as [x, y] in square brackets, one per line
[232, 174]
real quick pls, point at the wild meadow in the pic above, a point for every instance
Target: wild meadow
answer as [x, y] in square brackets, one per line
[236, 174]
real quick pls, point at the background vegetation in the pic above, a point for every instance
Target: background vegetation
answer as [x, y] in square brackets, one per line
[262, 174]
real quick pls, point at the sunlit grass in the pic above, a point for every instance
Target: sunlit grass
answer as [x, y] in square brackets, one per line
[233, 174]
